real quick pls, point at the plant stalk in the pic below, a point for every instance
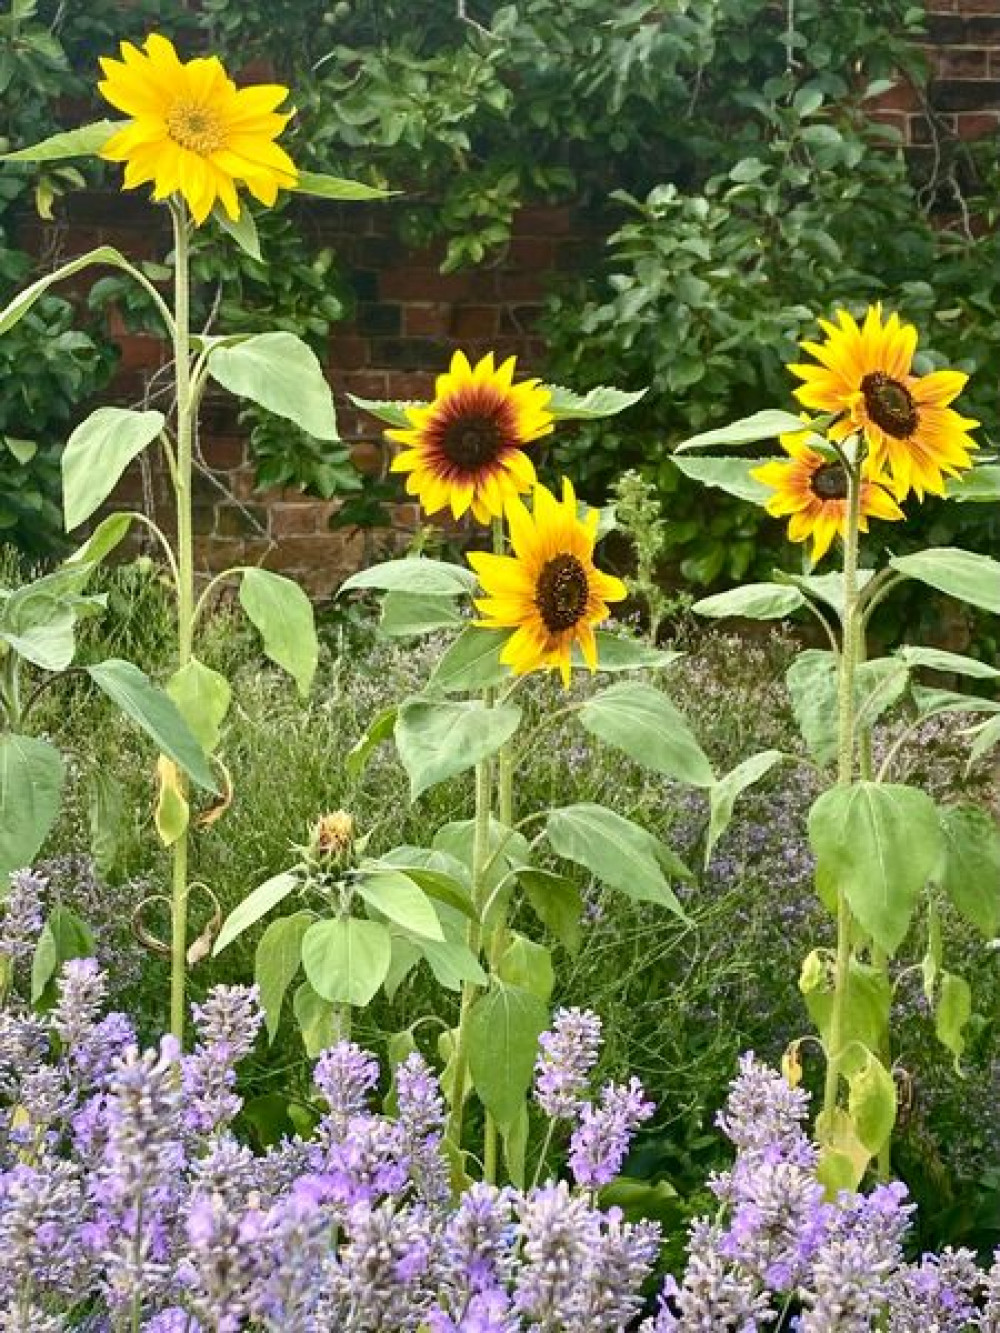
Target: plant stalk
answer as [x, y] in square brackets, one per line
[185, 588]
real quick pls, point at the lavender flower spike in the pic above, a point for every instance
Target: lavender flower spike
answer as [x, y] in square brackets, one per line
[568, 1054]
[601, 1141]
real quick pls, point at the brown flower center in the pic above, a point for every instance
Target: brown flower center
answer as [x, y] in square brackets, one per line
[562, 592]
[889, 405]
[830, 482]
[197, 128]
[472, 440]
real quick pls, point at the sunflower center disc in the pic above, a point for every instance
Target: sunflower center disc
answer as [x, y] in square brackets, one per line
[196, 128]
[889, 404]
[561, 592]
[471, 441]
[830, 482]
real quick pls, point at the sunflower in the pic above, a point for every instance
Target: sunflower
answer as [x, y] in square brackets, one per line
[466, 448]
[193, 132]
[864, 376]
[549, 591]
[811, 491]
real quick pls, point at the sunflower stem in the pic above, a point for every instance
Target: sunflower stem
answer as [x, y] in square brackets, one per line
[846, 729]
[185, 587]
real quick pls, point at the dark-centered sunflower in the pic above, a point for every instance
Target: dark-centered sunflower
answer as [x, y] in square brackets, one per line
[810, 490]
[864, 376]
[549, 592]
[465, 450]
[193, 132]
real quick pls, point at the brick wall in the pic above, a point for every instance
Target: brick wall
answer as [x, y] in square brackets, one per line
[408, 320]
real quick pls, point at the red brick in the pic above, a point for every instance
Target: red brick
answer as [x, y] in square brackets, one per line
[896, 120]
[975, 125]
[978, 7]
[428, 285]
[365, 383]
[432, 320]
[368, 457]
[348, 352]
[401, 385]
[292, 520]
[901, 96]
[224, 453]
[544, 221]
[475, 321]
[533, 253]
[518, 286]
[962, 62]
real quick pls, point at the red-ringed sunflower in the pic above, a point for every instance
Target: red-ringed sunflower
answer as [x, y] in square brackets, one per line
[549, 592]
[864, 375]
[810, 490]
[193, 132]
[465, 450]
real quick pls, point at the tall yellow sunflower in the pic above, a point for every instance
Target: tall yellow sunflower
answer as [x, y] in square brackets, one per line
[811, 491]
[548, 592]
[864, 376]
[193, 132]
[466, 448]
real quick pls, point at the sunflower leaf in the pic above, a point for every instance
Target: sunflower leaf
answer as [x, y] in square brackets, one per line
[731, 475]
[282, 374]
[86, 141]
[604, 401]
[767, 425]
[437, 740]
[392, 413]
[321, 186]
[755, 601]
[970, 577]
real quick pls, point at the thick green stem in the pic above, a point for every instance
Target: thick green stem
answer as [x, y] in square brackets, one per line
[845, 773]
[185, 588]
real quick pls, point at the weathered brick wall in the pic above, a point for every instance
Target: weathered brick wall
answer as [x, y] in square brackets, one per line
[409, 317]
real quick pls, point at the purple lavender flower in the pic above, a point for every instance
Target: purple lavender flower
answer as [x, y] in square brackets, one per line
[602, 1138]
[41, 1209]
[609, 1292]
[714, 1294]
[938, 1293]
[567, 1056]
[345, 1075]
[763, 1111]
[849, 1286]
[21, 915]
[478, 1243]
[558, 1230]
[422, 1118]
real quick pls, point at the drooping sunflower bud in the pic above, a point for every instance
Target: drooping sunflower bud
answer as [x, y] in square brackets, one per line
[332, 837]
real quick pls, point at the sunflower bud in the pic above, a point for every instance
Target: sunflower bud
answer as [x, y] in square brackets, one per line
[331, 838]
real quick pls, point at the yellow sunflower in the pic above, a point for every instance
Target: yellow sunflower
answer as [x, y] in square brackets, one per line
[548, 592]
[193, 132]
[811, 492]
[864, 375]
[466, 448]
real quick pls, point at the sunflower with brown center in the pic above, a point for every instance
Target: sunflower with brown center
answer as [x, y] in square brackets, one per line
[549, 592]
[465, 450]
[864, 376]
[810, 490]
[193, 132]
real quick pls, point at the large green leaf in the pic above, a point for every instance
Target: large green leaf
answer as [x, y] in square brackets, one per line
[39, 626]
[504, 1027]
[283, 614]
[724, 794]
[379, 730]
[389, 412]
[616, 654]
[243, 230]
[407, 613]
[109, 533]
[871, 1102]
[866, 999]
[937, 659]
[203, 697]
[437, 740]
[415, 574]
[557, 902]
[278, 958]
[731, 475]
[281, 373]
[642, 721]
[951, 1014]
[980, 484]
[767, 425]
[618, 852]
[565, 405]
[86, 141]
[254, 906]
[970, 874]
[472, 661]
[156, 713]
[879, 843]
[19, 305]
[321, 186]
[98, 452]
[755, 601]
[397, 896]
[970, 577]
[346, 960]
[31, 780]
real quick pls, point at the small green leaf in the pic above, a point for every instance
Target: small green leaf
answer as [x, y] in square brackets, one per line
[378, 731]
[392, 413]
[615, 654]
[970, 874]
[281, 373]
[203, 697]
[156, 713]
[980, 484]
[254, 906]
[283, 614]
[98, 452]
[724, 794]
[731, 475]
[39, 627]
[316, 1018]
[278, 958]
[642, 722]
[321, 186]
[871, 1103]
[415, 574]
[565, 405]
[504, 1027]
[32, 772]
[346, 960]
[952, 1013]
[970, 577]
[452, 963]
[557, 902]
[108, 534]
[866, 1000]
[19, 305]
[243, 230]
[438, 740]
[767, 425]
[528, 966]
[86, 141]
[401, 899]
[755, 601]
[879, 843]
[472, 662]
[618, 852]
[64, 936]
